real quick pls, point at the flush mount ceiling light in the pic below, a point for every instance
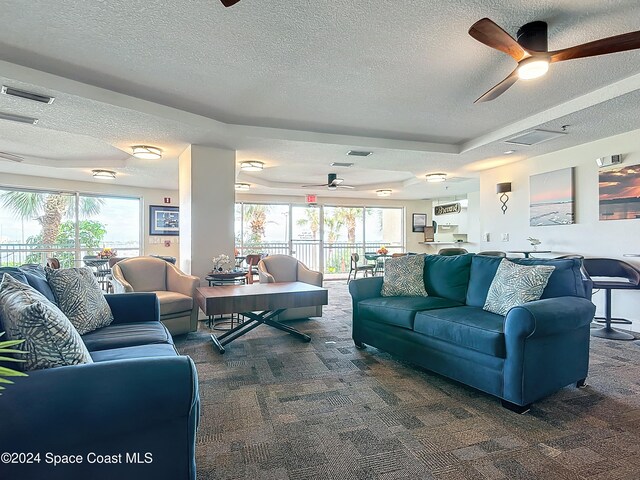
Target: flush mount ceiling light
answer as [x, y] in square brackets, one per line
[436, 177]
[104, 174]
[146, 152]
[243, 186]
[252, 166]
[383, 193]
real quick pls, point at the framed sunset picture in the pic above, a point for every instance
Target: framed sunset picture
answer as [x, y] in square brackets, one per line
[551, 198]
[620, 193]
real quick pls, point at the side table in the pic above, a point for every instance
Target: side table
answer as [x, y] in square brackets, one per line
[220, 279]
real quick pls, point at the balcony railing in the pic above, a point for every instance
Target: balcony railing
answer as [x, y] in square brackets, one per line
[15, 254]
[331, 258]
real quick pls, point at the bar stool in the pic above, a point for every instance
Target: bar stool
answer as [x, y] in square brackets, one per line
[611, 274]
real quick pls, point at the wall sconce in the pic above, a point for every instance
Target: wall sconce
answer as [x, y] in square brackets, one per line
[503, 188]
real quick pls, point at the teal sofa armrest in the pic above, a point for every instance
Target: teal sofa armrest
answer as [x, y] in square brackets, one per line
[143, 405]
[550, 316]
[364, 288]
[547, 346]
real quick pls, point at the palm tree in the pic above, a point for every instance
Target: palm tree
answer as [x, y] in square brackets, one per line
[349, 217]
[256, 217]
[48, 209]
[312, 219]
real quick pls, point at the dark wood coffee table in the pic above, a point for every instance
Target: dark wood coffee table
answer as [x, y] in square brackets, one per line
[269, 299]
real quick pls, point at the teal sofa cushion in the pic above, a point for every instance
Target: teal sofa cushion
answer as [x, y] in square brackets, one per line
[469, 327]
[566, 279]
[447, 276]
[399, 311]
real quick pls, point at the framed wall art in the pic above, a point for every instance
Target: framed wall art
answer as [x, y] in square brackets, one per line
[418, 222]
[164, 220]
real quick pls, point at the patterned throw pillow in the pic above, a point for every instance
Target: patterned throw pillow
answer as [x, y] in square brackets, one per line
[49, 338]
[516, 285]
[404, 277]
[80, 298]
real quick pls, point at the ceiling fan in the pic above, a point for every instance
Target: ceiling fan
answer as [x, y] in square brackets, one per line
[531, 50]
[333, 182]
[229, 3]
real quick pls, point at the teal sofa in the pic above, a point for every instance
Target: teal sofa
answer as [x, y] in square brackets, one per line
[530, 353]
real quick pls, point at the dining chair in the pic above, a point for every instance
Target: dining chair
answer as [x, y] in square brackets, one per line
[452, 251]
[101, 270]
[252, 261]
[493, 253]
[355, 268]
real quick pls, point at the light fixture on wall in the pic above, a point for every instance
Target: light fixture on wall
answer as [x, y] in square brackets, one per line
[243, 186]
[252, 166]
[436, 177]
[503, 189]
[146, 152]
[383, 193]
[104, 174]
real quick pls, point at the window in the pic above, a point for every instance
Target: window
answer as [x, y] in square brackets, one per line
[35, 225]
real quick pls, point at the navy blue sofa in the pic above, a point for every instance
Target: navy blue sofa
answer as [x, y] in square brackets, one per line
[530, 353]
[136, 405]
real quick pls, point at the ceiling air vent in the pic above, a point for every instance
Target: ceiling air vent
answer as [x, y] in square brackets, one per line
[341, 164]
[11, 156]
[358, 153]
[36, 97]
[534, 137]
[18, 118]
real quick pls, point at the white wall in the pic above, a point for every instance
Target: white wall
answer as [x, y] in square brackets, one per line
[149, 196]
[411, 206]
[589, 236]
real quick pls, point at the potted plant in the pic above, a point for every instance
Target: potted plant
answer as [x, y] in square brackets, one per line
[5, 348]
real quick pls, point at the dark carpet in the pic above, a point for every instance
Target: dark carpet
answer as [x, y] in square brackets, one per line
[274, 407]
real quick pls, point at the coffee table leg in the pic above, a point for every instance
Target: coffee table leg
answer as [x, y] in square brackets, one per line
[288, 329]
[217, 343]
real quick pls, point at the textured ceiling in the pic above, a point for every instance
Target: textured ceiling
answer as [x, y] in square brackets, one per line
[399, 72]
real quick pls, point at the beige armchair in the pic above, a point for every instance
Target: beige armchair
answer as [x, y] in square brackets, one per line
[283, 268]
[175, 290]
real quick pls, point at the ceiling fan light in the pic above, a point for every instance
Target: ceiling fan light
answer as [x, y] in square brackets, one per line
[104, 174]
[436, 177]
[383, 193]
[252, 166]
[146, 152]
[532, 68]
[242, 186]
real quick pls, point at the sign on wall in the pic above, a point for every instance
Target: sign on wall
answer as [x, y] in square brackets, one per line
[446, 209]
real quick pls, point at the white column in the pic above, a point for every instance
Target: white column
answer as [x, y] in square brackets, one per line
[207, 200]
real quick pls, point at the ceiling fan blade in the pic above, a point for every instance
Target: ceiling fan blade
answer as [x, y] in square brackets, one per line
[488, 32]
[345, 186]
[500, 88]
[319, 185]
[229, 3]
[618, 43]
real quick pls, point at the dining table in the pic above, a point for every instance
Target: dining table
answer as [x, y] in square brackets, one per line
[528, 253]
[379, 258]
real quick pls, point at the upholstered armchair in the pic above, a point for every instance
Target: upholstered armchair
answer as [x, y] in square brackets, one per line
[283, 268]
[175, 290]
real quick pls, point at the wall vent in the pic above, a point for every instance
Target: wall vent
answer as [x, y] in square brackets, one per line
[11, 156]
[358, 153]
[533, 137]
[341, 164]
[36, 97]
[18, 118]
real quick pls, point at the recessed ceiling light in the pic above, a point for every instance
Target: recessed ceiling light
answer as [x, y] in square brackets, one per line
[104, 174]
[252, 166]
[146, 152]
[36, 97]
[359, 153]
[243, 186]
[509, 152]
[436, 177]
[18, 118]
[383, 193]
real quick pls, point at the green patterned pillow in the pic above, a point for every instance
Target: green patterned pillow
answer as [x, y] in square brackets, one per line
[515, 285]
[80, 298]
[49, 338]
[404, 277]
